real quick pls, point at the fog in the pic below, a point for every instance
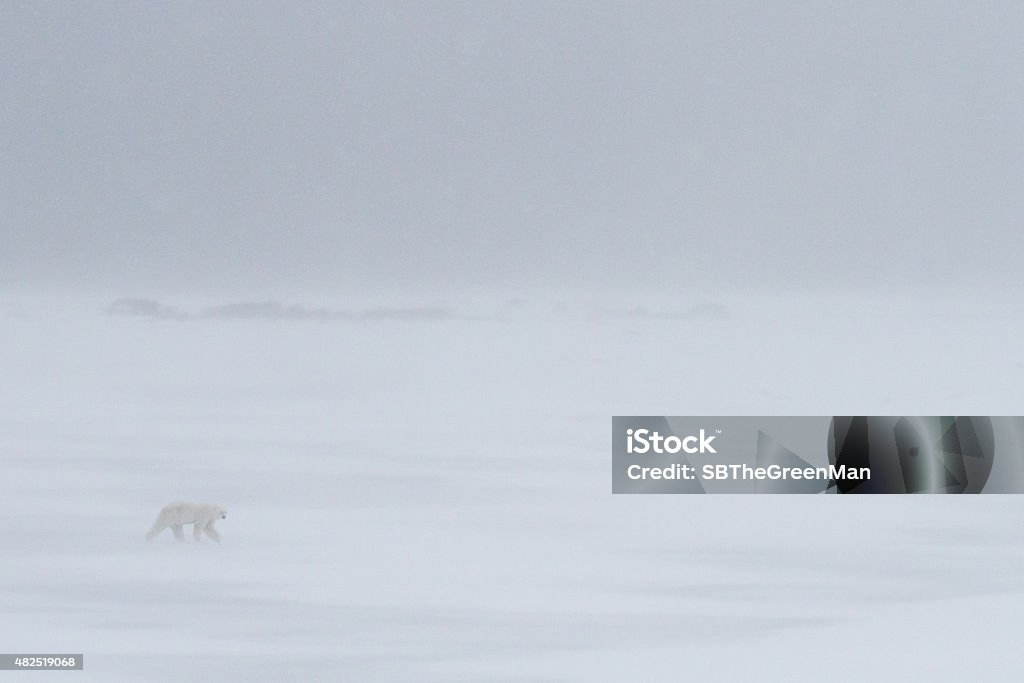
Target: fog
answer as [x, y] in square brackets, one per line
[195, 146]
[375, 278]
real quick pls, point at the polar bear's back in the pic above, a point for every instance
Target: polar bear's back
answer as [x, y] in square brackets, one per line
[180, 512]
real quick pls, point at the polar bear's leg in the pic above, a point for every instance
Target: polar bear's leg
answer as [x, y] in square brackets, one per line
[197, 532]
[211, 532]
[178, 534]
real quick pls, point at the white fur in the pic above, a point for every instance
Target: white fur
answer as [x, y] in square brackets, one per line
[202, 517]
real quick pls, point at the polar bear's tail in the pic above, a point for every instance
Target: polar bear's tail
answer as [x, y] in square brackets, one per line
[157, 527]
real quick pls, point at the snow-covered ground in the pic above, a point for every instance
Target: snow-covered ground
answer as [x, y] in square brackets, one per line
[427, 497]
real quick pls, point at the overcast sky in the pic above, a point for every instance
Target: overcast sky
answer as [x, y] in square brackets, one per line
[211, 145]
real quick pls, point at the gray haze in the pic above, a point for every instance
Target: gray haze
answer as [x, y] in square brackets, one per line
[376, 277]
[201, 146]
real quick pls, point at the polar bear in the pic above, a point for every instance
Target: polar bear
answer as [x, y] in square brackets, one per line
[201, 516]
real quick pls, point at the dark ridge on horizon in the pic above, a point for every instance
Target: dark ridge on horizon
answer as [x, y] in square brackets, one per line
[150, 309]
[143, 308]
[708, 311]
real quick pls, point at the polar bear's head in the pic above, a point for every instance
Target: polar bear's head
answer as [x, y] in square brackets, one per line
[221, 512]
